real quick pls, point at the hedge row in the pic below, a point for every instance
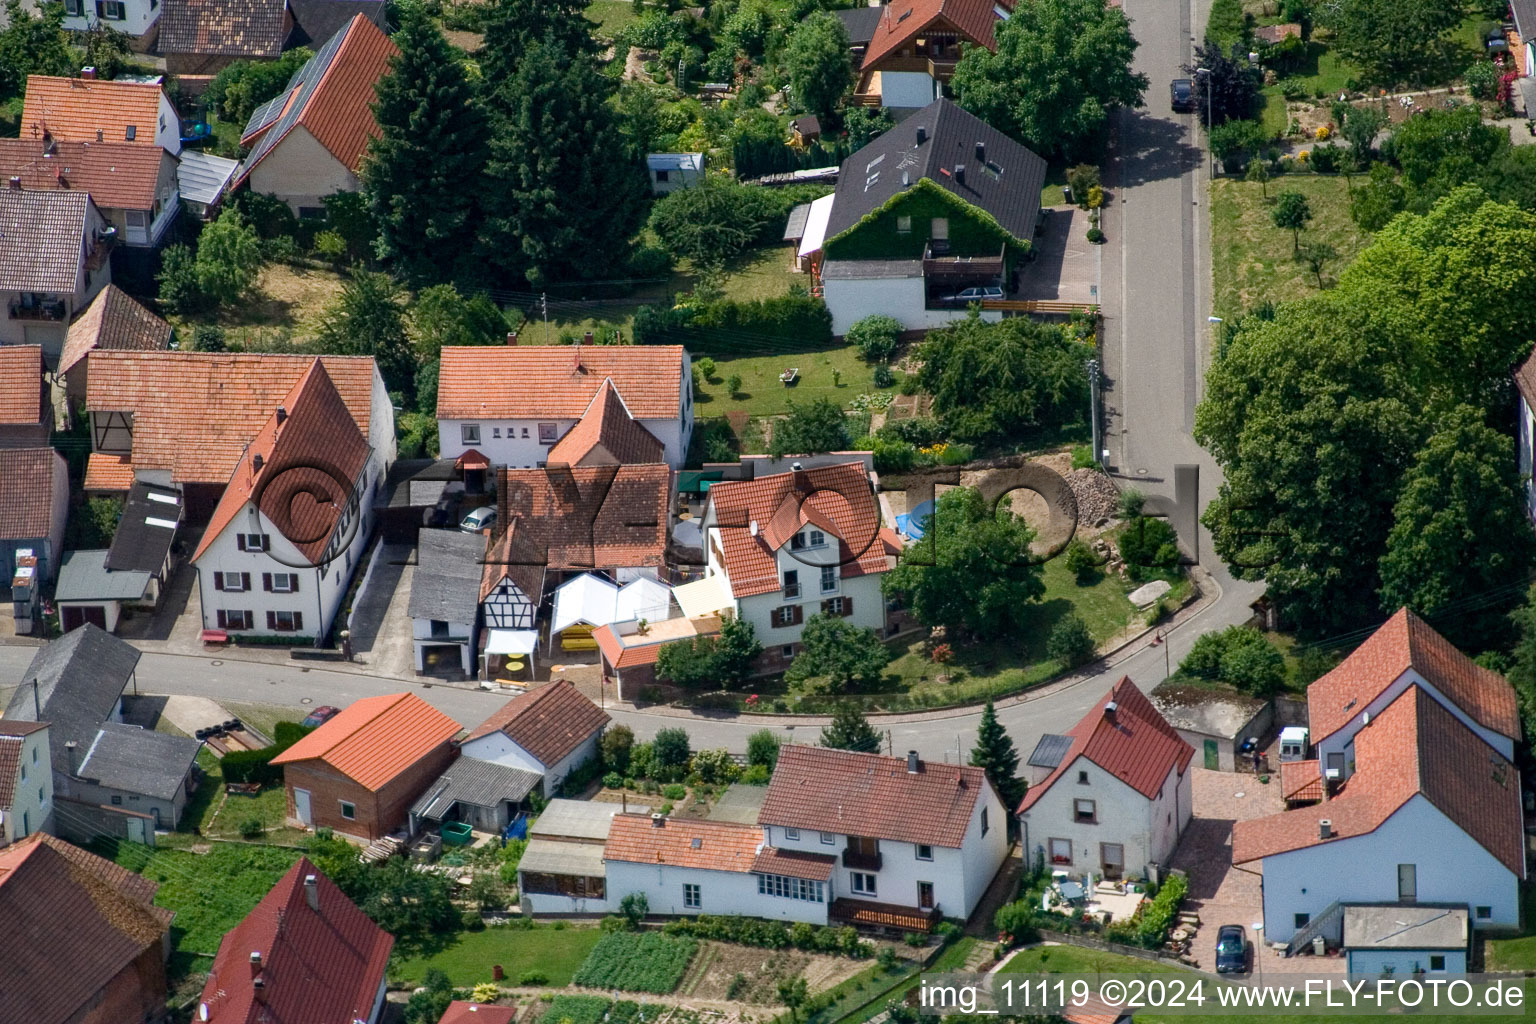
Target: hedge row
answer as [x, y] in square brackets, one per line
[795, 317]
[255, 766]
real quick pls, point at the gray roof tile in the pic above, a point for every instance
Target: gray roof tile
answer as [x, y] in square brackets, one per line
[42, 239]
[78, 679]
[139, 760]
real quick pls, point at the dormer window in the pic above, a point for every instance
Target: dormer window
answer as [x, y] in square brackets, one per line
[817, 538]
[797, 542]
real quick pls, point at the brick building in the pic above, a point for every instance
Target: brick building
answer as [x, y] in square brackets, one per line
[359, 772]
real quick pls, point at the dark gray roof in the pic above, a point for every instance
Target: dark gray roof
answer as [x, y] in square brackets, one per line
[315, 21]
[79, 678]
[144, 534]
[202, 177]
[1006, 184]
[859, 270]
[137, 760]
[83, 576]
[42, 239]
[446, 584]
[231, 28]
[401, 488]
[1525, 18]
[1049, 751]
[1405, 926]
[474, 783]
[860, 23]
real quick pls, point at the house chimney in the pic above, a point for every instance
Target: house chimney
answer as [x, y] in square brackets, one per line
[88, 73]
[959, 174]
[795, 466]
[511, 339]
[658, 820]
[1324, 828]
[1110, 709]
[256, 462]
[922, 135]
[255, 962]
[16, 181]
[258, 990]
[586, 339]
[282, 415]
[912, 762]
[73, 750]
[312, 893]
[981, 152]
[99, 135]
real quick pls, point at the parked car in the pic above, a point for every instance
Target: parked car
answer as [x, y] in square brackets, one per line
[1231, 950]
[968, 295]
[320, 716]
[479, 519]
[1181, 91]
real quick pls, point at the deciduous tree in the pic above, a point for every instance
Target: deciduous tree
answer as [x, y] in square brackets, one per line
[810, 428]
[1393, 42]
[1291, 212]
[1226, 86]
[368, 319]
[847, 656]
[818, 62]
[1060, 67]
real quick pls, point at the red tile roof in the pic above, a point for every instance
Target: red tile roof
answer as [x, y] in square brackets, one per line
[1415, 746]
[119, 175]
[234, 395]
[817, 867]
[311, 460]
[26, 491]
[607, 435]
[1137, 745]
[548, 722]
[1301, 781]
[375, 739]
[460, 1012]
[75, 109]
[322, 965]
[837, 499]
[558, 381]
[113, 320]
[850, 793]
[1406, 641]
[905, 20]
[683, 842]
[593, 517]
[76, 922]
[106, 472]
[23, 395]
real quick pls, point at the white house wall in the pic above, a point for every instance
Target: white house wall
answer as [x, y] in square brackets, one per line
[541, 903]
[1451, 868]
[720, 892]
[515, 444]
[31, 807]
[137, 19]
[301, 172]
[907, 89]
[1404, 963]
[1527, 444]
[1148, 829]
[850, 301]
[498, 748]
[1342, 739]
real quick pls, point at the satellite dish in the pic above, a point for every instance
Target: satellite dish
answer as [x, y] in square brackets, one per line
[202, 1011]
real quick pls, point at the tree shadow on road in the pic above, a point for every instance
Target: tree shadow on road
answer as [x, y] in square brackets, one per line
[1153, 148]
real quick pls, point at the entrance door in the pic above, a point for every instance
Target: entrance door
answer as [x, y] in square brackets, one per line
[1112, 859]
[1212, 756]
[158, 823]
[136, 830]
[75, 616]
[925, 895]
[301, 808]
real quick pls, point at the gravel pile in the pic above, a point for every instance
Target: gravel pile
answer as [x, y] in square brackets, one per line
[1097, 498]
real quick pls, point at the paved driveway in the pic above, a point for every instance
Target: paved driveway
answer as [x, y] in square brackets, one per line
[1220, 892]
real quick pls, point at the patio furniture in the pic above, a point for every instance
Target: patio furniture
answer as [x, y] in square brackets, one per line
[789, 377]
[1072, 891]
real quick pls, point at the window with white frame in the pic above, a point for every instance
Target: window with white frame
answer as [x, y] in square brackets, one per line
[1061, 851]
[548, 433]
[230, 618]
[862, 883]
[796, 542]
[827, 839]
[818, 538]
[113, 10]
[791, 888]
[924, 851]
[469, 433]
[792, 835]
[828, 578]
[253, 542]
[1085, 812]
[232, 582]
[285, 622]
[691, 896]
[285, 582]
[349, 810]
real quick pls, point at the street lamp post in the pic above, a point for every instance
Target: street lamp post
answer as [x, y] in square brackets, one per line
[1207, 73]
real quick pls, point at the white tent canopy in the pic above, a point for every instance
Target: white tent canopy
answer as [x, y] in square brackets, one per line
[642, 599]
[585, 598]
[512, 641]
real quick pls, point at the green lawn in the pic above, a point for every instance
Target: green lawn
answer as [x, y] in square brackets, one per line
[1254, 261]
[210, 893]
[951, 959]
[1516, 954]
[555, 953]
[611, 16]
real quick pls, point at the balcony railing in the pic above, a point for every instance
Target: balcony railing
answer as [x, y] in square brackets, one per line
[861, 861]
[791, 590]
[50, 310]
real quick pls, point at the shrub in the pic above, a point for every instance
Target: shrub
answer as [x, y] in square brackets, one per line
[671, 749]
[674, 791]
[763, 749]
[1148, 544]
[1130, 503]
[471, 921]
[617, 744]
[1158, 915]
[884, 378]
[1070, 642]
[715, 766]
[875, 337]
[637, 962]
[250, 828]
[330, 246]
[1082, 457]
[893, 456]
[1018, 920]
[1204, 657]
[733, 386]
[1327, 159]
[706, 367]
[179, 288]
[753, 931]
[634, 907]
[1080, 180]
[1482, 79]
[1080, 561]
[797, 317]
[613, 780]
[756, 775]
[1096, 236]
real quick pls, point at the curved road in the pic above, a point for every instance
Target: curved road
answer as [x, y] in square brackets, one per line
[1155, 298]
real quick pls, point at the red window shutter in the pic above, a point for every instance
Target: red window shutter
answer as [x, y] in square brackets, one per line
[223, 619]
[240, 541]
[271, 620]
[218, 581]
[266, 582]
[293, 578]
[799, 616]
[847, 607]
[298, 620]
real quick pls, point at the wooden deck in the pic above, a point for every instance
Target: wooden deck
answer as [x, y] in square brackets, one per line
[869, 914]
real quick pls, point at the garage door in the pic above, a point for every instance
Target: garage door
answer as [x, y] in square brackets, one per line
[75, 616]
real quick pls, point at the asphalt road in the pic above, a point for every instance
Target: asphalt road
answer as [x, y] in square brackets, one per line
[1155, 297]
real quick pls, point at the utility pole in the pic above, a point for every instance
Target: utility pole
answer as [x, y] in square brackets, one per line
[1093, 404]
[544, 304]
